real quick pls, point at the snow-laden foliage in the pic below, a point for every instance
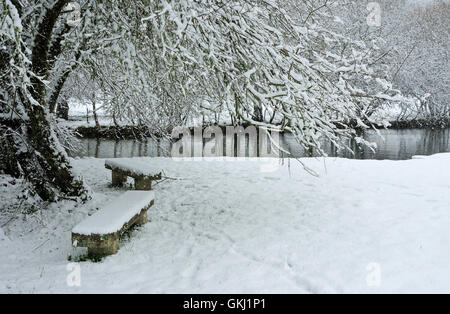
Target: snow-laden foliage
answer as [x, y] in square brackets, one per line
[162, 63]
[170, 60]
[14, 60]
[425, 71]
[413, 39]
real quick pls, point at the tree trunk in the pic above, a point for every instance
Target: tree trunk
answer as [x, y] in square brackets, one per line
[33, 151]
[30, 148]
[62, 110]
[52, 104]
[94, 110]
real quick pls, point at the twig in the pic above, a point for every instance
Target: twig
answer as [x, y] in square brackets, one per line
[169, 178]
[404, 61]
[166, 179]
[8, 222]
[74, 199]
[41, 245]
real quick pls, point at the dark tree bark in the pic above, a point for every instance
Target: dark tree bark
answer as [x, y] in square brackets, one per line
[40, 52]
[30, 147]
[53, 101]
[62, 111]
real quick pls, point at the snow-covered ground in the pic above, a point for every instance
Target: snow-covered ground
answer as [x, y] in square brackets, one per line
[249, 227]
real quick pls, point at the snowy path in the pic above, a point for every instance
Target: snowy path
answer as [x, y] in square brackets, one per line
[228, 227]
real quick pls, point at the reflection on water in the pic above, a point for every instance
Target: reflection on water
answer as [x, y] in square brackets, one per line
[393, 145]
[103, 148]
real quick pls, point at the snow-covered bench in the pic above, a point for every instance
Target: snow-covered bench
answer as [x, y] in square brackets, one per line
[100, 232]
[142, 173]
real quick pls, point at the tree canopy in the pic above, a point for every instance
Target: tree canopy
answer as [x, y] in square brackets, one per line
[161, 62]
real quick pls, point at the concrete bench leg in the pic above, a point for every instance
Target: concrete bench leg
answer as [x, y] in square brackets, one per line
[142, 220]
[142, 184]
[118, 178]
[107, 246]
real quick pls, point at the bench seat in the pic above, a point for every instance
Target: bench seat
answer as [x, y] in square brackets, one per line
[142, 172]
[101, 232]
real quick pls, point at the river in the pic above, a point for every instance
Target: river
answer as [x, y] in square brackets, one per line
[392, 145]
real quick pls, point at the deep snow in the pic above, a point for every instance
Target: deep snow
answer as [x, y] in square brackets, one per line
[252, 227]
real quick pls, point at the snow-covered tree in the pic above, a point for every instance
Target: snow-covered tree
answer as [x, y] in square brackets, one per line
[424, 71]
[160, 62]
[29, 146]
[254, 59]
[413, 49]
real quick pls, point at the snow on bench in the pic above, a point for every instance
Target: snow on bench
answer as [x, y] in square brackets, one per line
[100, 232]
[142, 172]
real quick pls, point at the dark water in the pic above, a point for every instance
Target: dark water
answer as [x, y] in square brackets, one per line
[393, 145]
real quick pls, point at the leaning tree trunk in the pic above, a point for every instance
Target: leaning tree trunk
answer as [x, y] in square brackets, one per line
[30, 147]
[51, 157]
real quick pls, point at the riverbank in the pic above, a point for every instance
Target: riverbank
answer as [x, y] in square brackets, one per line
[126, 132]
[252, 226]
[434, 124]
[116, 132]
